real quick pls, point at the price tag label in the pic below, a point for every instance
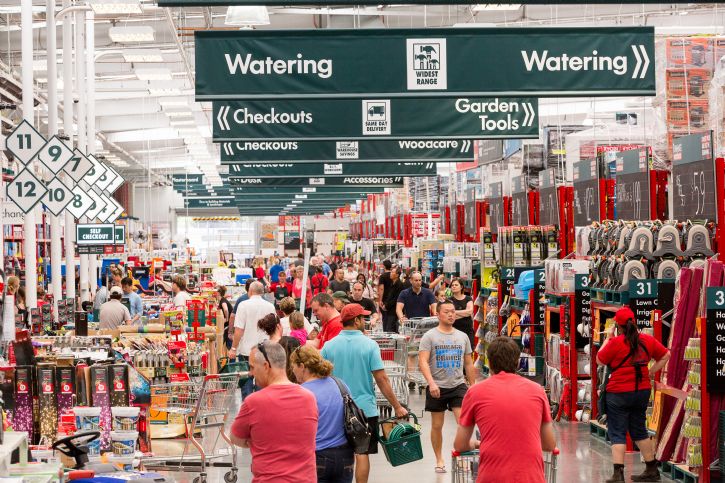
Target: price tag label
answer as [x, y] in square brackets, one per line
[25, 190]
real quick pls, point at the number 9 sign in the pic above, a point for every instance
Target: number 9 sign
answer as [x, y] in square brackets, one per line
[54, 155]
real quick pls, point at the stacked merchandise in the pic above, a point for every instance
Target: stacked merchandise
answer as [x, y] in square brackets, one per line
[431, 261]
[690, 62]
[458, 259]
[486, 317]
[527, 246]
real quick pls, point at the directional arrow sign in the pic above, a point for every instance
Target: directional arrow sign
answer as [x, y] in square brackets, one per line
[95, 173]
[81, 202]
[291, 170]
[352, 119]
[431, 62]
[98, 205]
[78, 166]
[58, 196]
[25, 190]
[449, 151]
[54, 155]
[24, 142]
[356, 181]
[117, 181]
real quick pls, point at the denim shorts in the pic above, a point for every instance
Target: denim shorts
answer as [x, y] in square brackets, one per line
[627, 412]
[335, 465]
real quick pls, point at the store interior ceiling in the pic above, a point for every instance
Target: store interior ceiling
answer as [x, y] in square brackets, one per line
[150, 126]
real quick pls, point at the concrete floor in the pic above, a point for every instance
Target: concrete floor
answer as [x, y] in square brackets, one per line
[582, 459]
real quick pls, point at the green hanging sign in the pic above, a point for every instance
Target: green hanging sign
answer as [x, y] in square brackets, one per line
[356, 181]
[352, 119]
[437, 151]
[209, 202]
[292, 170]
[446, 62]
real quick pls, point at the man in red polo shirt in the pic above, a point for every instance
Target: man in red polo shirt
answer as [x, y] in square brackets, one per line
[324, 309]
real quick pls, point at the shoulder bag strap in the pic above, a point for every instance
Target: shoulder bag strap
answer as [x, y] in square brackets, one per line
[343, 391]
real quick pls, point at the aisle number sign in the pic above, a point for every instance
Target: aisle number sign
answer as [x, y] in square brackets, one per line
[446, 150]
[80, 203]
[54, 155]
[715, 347]
[445, 62]
[25, 190]
[78, 166]
[57, 197]
[95, 234]
[352, 119]
[24, 142]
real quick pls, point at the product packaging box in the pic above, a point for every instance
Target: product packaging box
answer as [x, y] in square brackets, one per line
[688, 83]
[560, 274]
[690, 52]
[692, 114]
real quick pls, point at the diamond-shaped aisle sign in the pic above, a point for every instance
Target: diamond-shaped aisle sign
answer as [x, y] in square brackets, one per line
[98, 205]
[58, 196]
[81, 202]
[54, 155]
[78, 166]
[26, 190]
[116, 183]
[24, 142]
[94, 174]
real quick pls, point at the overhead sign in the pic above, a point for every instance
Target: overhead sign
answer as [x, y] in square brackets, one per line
[586, 193]
[548, 198]
[209, 202]
[57, 197]
[119, 236]
[184, 179]
[693, 178]
[95, 234]
[291, 170]
[25, 190]
[633, 202]
[519, 201]
[24, 142]
[263, 191]
[54, 155]
[78, 166]
[352, 119]
[95, 173]
[118, 180]
[98, 205]
[357, 181]
[449, 150]
[447, 62]
[495, 207]
[81, 202]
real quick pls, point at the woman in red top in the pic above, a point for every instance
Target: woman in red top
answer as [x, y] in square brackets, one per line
[628, 390]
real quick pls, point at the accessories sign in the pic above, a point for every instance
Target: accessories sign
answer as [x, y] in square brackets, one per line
[327, 63]
[437, 151]
[350, 119]
[292, 170]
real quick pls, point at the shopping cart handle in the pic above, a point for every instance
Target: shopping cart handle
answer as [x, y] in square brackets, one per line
[555, 452]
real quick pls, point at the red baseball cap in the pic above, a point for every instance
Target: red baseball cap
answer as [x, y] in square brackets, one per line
[623, 315]
[350, 311]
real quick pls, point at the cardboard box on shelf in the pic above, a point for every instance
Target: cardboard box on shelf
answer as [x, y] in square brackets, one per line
[688, 83]
[690, 52]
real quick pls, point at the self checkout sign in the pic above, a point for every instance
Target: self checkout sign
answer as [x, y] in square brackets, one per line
[643, 298]
[715, 346]
[693, 178]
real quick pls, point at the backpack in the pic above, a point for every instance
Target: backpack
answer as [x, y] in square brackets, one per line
[356, 425]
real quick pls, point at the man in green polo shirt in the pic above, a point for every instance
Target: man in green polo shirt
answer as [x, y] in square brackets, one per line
[355, 357]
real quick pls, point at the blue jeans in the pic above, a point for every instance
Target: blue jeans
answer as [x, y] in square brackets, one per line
[248, 387]
[335, 465]
[627, 412]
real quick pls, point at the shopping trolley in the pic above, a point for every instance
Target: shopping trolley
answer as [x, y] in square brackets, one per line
[414, 330]
[464, 466]
[393, 352]
[204, 407]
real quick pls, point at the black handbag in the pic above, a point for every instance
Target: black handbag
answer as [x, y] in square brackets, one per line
[357, 429]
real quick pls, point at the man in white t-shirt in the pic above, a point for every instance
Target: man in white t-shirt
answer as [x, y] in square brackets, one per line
[246, 330]
[181, 296]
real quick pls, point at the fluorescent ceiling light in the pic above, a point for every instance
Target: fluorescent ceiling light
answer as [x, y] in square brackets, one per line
[158, 74]
[496, 7]
[114, 7]
[164, 92]
[247, 16]
[142, 55]
[183, 122]
[174, 102]
[177, 113]
[137, 33]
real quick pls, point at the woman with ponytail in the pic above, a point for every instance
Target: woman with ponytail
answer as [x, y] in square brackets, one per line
[627, 353]
[335, 458]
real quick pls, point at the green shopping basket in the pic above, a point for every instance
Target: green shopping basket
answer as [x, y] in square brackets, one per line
[402, 446]
[231, 367]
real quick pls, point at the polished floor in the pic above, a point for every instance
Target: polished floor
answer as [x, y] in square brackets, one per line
[582, 459]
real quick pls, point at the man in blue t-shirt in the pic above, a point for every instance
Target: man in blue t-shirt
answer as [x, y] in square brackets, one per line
[274, 271]
[355, 358]
[416, 301]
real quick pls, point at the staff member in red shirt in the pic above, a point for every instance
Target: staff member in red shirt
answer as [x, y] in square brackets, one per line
[627, 354]
[511, 447]
[324, 309]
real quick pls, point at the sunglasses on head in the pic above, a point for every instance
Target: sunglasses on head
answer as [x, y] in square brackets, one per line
[260, 348]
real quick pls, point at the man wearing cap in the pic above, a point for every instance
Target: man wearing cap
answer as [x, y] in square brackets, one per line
[340, 300]
[355, 357]
[113, 313]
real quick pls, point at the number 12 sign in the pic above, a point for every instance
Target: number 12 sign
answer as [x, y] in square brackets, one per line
[25, 190]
